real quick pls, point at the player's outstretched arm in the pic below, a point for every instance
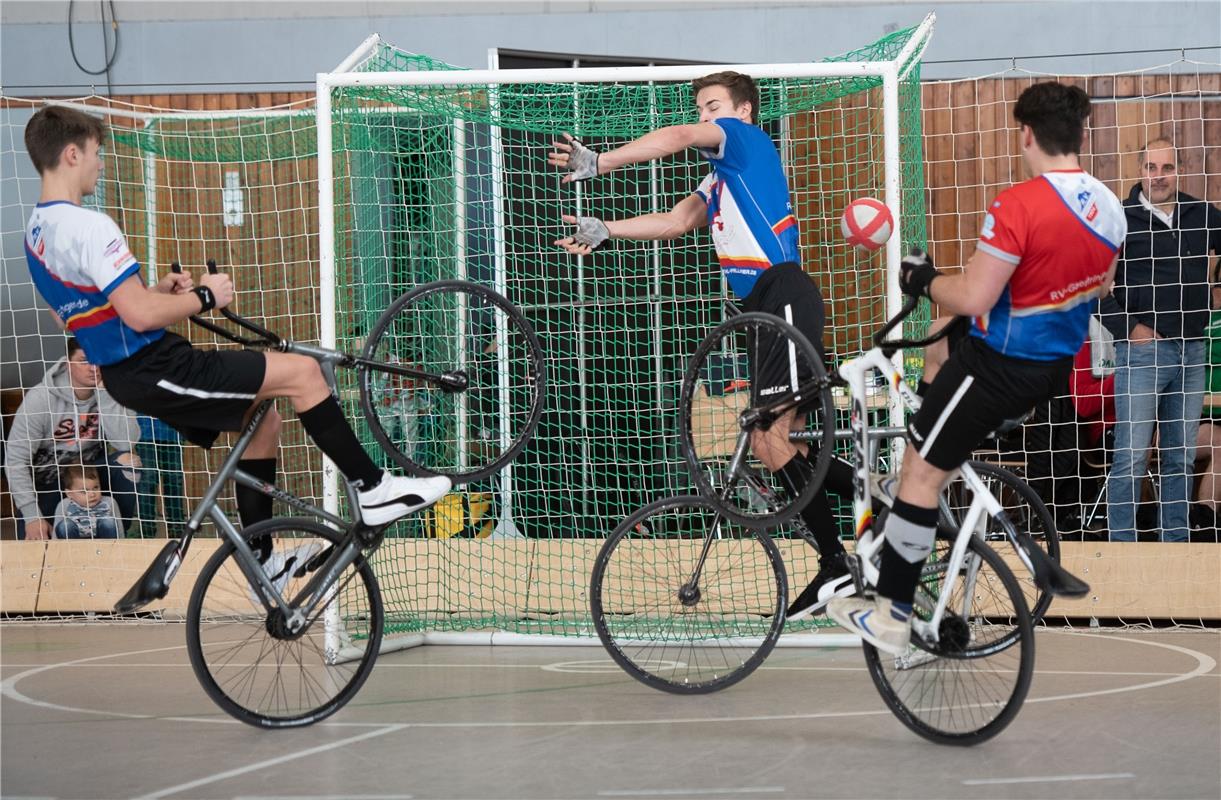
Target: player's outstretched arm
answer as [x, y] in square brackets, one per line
[591, 232]
[582, 163]
[145, 309]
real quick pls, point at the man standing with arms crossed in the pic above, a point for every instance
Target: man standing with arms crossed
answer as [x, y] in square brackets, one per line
[1158, 314]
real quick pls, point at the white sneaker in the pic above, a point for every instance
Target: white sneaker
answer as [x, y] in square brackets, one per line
[396, 496]
[874, 621]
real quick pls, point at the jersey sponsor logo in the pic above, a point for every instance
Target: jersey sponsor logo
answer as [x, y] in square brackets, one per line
[65, 310]
[1092, 213]
[989, 229]
[114, 247]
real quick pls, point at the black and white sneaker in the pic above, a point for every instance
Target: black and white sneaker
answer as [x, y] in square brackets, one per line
[833, 580]
[396, 496]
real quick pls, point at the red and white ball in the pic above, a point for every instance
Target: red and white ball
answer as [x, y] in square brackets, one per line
[867, 224]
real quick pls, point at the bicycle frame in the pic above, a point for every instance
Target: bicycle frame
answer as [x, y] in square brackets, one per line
[155, 582]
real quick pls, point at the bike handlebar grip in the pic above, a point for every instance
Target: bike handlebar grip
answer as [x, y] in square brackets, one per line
[212, 270]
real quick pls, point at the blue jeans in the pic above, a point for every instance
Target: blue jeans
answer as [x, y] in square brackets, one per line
[1158, 384]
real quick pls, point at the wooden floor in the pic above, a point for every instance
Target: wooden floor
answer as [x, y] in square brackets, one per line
[114, 711]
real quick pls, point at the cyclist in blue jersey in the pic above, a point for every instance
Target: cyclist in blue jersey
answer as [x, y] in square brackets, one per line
[1047, 251]
[744, 202]
[81, 265]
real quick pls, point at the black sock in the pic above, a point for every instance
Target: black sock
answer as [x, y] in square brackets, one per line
[897, 576]
[817, 514]
[330, 431]
[252, 505]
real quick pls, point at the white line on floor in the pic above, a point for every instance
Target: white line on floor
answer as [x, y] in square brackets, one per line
[689, 792]
[323, 797]
[1106, 776]
[271, 762]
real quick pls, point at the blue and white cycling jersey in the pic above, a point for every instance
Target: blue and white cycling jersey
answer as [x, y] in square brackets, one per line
[749, 213]
[76, 258]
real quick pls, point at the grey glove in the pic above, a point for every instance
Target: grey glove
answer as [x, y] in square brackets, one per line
[591, 231]
[582, 162]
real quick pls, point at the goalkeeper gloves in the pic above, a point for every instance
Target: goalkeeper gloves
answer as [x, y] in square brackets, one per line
[591, 232]
[582, 162]
[916, 274]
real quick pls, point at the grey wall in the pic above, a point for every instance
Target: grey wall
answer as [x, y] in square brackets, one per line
[282, 43]
[226, 46]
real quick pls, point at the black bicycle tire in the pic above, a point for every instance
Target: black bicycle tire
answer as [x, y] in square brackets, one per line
[1024, 630]
[199, 663]
[616, 649]
[782, 512]
[537, 364]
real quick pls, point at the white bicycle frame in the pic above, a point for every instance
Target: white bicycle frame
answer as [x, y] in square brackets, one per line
[869, 542]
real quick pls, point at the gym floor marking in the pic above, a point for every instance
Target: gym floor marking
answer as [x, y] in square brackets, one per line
[689, 792]
[1106, 776]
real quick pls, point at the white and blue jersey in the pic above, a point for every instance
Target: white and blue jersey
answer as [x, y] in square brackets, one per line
[749, 213]
[76, 258]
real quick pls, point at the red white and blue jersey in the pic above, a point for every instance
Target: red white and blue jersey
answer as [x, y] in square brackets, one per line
[77, 257]
[1062, 230]
[749, 213]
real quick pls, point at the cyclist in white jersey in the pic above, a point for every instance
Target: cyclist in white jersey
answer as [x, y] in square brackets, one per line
[744, 201]
[81, 265]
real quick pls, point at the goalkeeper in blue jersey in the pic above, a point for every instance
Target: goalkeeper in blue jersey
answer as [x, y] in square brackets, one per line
[744, 201]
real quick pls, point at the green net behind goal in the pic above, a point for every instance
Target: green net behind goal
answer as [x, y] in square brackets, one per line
[436, 182]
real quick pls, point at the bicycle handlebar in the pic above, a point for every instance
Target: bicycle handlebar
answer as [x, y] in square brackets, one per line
[890, 346]
[266, 337]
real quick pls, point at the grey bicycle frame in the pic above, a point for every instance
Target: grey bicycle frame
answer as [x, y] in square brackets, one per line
[296, 618]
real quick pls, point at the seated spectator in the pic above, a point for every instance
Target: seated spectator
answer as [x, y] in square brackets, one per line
[85, 513]
[69, 419]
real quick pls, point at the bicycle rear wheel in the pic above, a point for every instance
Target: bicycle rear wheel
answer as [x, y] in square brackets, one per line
[967, 687]
[674, 634]
[243, 658]
[751, 361]
[430, 429]
[1026, 513]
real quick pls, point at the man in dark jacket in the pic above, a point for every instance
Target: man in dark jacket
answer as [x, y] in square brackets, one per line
[1157, 314]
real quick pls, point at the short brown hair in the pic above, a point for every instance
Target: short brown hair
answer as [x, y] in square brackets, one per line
[53, 128]
[77, 472]
[1056, 112]
[742, 89]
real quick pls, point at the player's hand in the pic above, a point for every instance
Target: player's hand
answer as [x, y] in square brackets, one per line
[221, 286]
[916, 273]
[175, 283]
[591, 232]
[37, 530]
[570, 154]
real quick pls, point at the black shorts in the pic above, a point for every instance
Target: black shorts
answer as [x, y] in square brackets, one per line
[198, 392]
[785, 291]
[976, 390]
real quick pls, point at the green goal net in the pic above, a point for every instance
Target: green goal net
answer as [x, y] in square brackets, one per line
[435, 181]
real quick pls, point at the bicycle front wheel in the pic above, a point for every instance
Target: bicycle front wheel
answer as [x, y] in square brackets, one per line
[685, 600]
[245, 660]
[750, 362]
[970, 684]
[469, 428]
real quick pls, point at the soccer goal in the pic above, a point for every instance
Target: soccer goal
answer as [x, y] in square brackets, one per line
[430, 172]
